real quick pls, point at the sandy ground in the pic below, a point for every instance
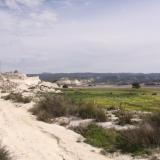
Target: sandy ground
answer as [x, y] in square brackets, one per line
[29, 139]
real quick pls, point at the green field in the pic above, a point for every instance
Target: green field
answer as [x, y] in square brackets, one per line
[130, 99]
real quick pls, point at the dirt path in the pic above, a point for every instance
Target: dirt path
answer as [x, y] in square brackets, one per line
[28, 139]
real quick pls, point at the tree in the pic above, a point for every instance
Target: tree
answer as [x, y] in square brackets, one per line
[65, 86]
[136, 85]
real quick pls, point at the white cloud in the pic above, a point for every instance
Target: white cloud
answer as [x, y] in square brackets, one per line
[15, 4]
[30, 3]
[43, 18]
[35, 40]
[23, 21]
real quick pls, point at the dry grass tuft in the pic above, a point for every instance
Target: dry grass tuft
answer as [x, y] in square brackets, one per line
[124, 117]
[52, 106]
[91, 110]
[17, 97]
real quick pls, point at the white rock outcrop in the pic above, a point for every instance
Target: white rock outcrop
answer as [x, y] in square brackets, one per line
[19, 82]
[74, 82]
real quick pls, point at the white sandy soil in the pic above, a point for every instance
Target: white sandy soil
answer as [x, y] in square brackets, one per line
[29, 139]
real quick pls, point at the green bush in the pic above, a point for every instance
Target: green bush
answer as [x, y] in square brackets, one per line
[98, 136]
[154, 94]
[65, 86]
[136, 85]
[138, 141]
[143, 138]
[17, 97]
[51, 106]
[90, 110]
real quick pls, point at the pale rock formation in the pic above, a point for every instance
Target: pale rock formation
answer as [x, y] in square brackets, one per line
[19, 82]
[73, 82]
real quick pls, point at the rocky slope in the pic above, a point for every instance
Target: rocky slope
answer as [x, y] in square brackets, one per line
[19, 82]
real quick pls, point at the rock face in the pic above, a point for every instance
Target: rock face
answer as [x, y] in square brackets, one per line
[19, 82]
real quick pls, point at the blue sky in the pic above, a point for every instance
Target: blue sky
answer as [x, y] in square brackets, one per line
[80, 35]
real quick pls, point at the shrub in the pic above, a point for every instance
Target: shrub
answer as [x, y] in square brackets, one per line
[110, 108]
[3, 91]
[137, 141]
[42, 115]
[90, 110]
[17, 97]
[81, 129]
[143, 138]
[4, 154]
[154, 94]
[65, 86]
[51, 106]
[100, 116]
[98, 136]
[124, 117]
[136, 85]
[153, 119]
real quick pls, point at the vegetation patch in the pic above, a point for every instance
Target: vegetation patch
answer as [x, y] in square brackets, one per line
[138, 141]
[4, 153]
[142, 99]
[124, 117]
[136, 85]
[51, 106]
[143, 138]
[99, 137]
[91, 110]
[17, 97]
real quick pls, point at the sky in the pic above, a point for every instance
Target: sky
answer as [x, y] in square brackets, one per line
[80, 36]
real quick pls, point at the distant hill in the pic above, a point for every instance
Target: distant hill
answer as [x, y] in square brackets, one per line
[107, 78]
